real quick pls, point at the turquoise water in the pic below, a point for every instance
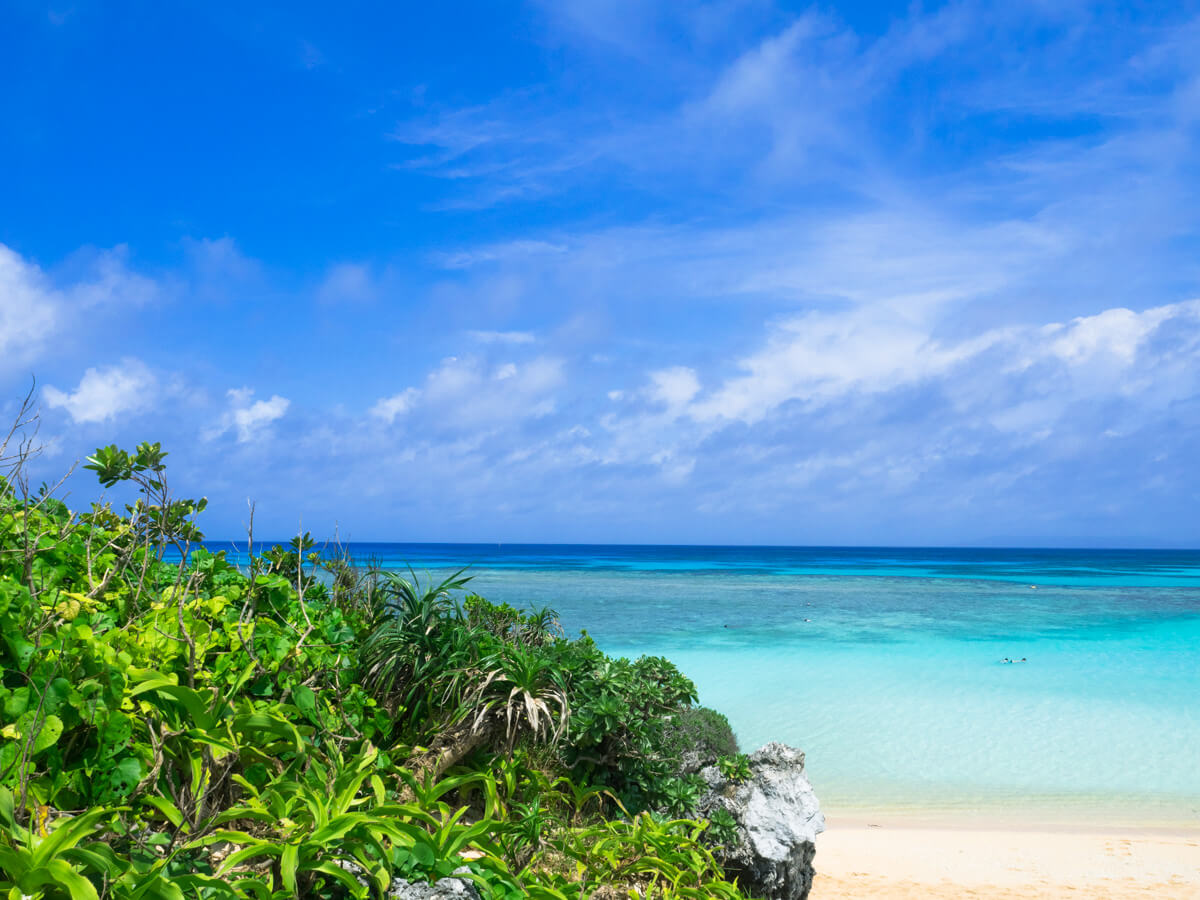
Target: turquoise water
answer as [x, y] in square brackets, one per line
[885, 666]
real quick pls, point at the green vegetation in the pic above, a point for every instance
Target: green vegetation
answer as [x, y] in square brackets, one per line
[174, 727]
[735, 768]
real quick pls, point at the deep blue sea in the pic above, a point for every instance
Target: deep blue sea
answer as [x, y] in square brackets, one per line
[887, 665]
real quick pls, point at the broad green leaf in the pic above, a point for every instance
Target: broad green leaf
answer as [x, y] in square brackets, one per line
[289, 860]
[167, 808]
[16, 703]
[57, 692]
[22, 650]
[115, 734]
[6, 807]
[66, 833]
[99, 858]
[58, 872]
[423, 854]
[51, 731]
[306, 702]
[126, 774]
[339, 874]
[193, 701]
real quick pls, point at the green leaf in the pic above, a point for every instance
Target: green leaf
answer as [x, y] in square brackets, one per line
[423, 854]
[69, 832]
[21, 649]
[16, 703]
[193, 701]
[167, 808]
[306, 702]
[57, 692]
[289, 860]
[6, 808]
[126, 774]
[58, 872]
[51, 731]
[115, 734]
[99, 858]
[339, 874]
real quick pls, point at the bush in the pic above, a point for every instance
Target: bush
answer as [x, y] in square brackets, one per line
[700, 736]
[173, 726]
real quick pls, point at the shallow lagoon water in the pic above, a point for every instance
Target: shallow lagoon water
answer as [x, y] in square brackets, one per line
[885, 666]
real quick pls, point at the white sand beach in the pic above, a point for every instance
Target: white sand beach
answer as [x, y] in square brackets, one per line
[887, 858]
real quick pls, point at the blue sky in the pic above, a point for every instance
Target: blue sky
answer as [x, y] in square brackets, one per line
[722, 272]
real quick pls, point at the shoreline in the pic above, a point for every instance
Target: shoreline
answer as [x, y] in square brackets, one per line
[1022, 814]
[887, 820]
[905, 858]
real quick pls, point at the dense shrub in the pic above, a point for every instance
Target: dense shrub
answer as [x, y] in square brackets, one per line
[173, 726]
[702, 734]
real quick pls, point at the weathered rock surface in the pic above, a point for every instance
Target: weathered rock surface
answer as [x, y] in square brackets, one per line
[778, 819]
[443, 889]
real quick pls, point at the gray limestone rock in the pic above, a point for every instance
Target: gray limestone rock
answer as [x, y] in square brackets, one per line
[778, 819]
[443, 889]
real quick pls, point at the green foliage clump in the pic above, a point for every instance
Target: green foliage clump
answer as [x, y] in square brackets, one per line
[175, 726]
[735, 768]
[702, 732]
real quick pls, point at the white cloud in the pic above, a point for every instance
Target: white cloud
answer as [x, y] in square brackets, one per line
[29, 307]
[34, 307]
[817, 358]
[502, 337]
[104, 394]
[389, 408]
[1115, 332]
[347, 283]
[674, 387]
[250, 420]
[466, 393]
[463, 393]
[504, 252]
[107, 280]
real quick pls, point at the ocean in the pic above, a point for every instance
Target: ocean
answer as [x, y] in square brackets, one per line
[888, 666]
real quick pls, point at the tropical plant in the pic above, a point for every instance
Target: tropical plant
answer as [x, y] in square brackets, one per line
[735, 768]
[176, 726]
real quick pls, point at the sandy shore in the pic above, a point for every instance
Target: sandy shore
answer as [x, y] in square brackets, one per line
[860, 859]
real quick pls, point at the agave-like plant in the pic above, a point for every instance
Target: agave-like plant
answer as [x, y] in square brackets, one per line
[421, 606]
[542, 626]
[408, 649]
[515, 694]
[523, 689]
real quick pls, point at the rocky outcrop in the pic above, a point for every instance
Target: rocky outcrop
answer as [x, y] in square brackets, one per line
[778, 819]
[444, 889]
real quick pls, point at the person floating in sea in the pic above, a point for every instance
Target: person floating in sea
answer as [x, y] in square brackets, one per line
[1006, 660]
